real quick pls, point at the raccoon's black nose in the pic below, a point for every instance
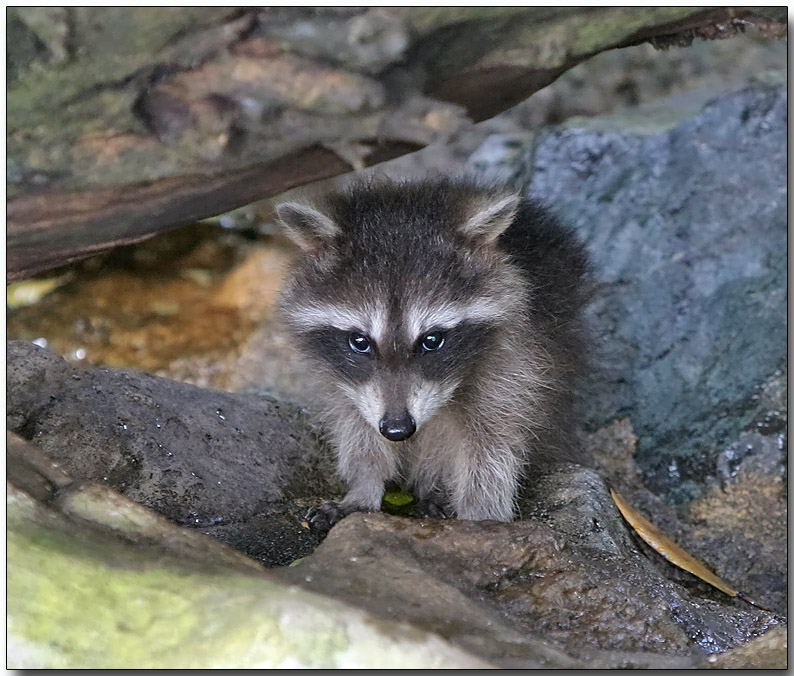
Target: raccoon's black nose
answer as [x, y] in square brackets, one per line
[398, 428]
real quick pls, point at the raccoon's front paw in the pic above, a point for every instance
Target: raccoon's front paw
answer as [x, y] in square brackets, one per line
[431, 509]
[323, 517]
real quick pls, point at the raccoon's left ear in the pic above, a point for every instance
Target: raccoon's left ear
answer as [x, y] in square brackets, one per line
[305, 225]
[491, 218]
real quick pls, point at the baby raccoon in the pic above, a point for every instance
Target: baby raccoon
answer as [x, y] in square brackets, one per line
[441, 323]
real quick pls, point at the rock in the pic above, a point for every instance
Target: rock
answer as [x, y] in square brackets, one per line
[160, 596]
[687, 230]
[769, 651]
[242, 84]
[565, 588]
[203, 458]
[735, 527]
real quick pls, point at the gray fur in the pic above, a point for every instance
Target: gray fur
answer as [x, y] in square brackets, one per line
[499, 279]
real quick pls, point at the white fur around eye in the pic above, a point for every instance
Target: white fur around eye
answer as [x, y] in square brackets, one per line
[421, 319]
[368, 319]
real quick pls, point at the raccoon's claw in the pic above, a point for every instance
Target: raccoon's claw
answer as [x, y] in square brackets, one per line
[323, 517]
[431, 509]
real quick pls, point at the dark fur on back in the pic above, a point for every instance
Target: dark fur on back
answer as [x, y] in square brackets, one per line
[558, 273]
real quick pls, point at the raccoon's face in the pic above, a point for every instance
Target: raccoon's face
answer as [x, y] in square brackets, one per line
[398, 370]
[398, 302]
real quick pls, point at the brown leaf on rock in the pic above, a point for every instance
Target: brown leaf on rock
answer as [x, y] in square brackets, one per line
[670, 550]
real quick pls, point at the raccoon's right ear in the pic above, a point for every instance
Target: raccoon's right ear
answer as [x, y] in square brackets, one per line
[491, 218]
[305, 225]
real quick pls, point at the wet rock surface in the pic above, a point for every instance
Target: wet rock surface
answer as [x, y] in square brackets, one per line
[769, 651]
[568, 579]
[203, 458]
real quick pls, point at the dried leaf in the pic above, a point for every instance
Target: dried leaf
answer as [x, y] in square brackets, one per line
[670, 550]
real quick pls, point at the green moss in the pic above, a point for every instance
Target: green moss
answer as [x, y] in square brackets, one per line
[544, 37]
[552, 40]
[93, 615]
[94, 602]
[591, 32]
[81, 596]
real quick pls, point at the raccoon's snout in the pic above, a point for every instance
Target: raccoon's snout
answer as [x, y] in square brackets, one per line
[397, 428]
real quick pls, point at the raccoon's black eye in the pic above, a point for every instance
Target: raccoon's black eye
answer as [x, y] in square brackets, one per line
[432, 341]
[359, 343]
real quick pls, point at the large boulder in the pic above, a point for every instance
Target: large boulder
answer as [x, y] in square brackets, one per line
[243, 467]
[97, 581]
[687, 229]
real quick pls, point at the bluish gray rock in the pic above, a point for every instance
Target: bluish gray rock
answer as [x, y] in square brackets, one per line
[686, 226]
